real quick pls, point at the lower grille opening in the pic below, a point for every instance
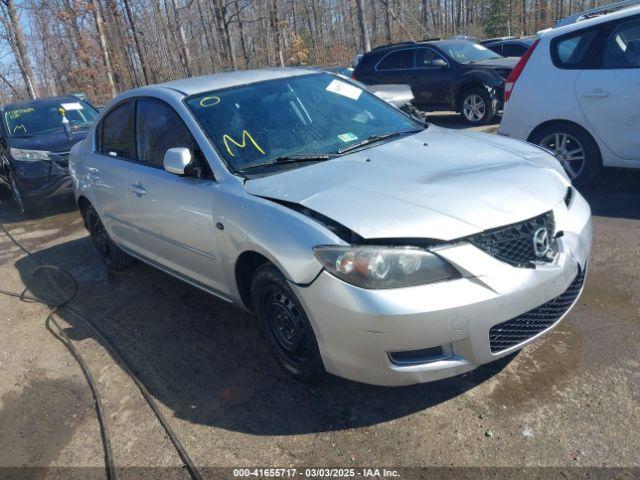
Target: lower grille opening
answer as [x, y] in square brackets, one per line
[424, 355]
[517, 330]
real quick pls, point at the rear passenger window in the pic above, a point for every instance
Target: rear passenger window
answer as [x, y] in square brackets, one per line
[622, 48]
[401, 59]
[570, 51]
[114, 133]
[159, 128]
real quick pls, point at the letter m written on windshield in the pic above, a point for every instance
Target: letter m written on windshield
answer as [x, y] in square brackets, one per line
[242, 143]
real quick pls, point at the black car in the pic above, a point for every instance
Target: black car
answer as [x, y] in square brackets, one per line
[510, 46]
[455, 75]
[35, 139]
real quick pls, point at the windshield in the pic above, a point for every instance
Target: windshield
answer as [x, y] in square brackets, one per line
[468, 52]
[317, 114]
[42, 117]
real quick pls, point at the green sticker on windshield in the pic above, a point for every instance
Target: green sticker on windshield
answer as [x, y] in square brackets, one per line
[347, 137]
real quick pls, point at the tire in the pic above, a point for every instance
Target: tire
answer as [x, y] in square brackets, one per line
[285, 326]
[575, 149]
[478, 106]
[22, 204]
[110, 254]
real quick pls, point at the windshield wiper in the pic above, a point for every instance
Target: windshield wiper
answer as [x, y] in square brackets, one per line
[293, 158]
[376, 138]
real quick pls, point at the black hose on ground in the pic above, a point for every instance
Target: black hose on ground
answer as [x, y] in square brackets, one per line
[59, 333]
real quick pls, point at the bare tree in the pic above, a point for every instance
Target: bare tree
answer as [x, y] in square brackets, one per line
[15, 37]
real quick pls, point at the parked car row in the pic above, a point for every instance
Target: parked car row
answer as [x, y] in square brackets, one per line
[367, 244]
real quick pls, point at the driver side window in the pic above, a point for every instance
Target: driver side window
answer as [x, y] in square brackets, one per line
[159, 128]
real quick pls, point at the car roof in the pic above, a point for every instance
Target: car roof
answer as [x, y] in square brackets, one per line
[218, 81]
[403, 45]
[37, 101]
[607, 17]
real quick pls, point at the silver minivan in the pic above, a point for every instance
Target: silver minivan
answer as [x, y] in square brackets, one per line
[366, 244]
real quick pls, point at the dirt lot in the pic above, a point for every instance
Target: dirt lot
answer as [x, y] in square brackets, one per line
[572, 399]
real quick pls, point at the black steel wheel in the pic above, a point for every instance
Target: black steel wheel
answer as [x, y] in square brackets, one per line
[111, 255]
[285, 325]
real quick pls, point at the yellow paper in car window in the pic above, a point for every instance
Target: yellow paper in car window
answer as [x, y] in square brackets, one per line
[345, 89]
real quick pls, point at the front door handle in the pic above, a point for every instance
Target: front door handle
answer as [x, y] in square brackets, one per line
[597, 93]
[93, 174]
[138, 189]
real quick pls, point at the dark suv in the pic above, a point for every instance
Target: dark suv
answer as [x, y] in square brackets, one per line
[455, 75]
[35, 139]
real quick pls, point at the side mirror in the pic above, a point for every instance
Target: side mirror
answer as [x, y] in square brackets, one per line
[438, 62]
[3, 143]
[176, 160]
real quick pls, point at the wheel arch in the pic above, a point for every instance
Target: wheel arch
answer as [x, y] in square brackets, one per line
[464, 88]
[83, 204]
[245, 266]
[559, 121]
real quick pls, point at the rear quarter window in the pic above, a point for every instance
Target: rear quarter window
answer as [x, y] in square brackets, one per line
[570, 51]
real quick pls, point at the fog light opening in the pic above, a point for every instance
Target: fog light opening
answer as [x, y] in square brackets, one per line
[421, 356]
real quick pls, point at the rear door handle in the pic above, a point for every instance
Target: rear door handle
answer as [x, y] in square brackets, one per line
[138, 189]
[597, 93]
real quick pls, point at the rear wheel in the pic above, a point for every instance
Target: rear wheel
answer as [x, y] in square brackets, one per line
[478, 106]
[111, 255]
[574, 148]
[285, 326]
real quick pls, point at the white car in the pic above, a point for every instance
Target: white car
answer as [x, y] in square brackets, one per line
[576, 92]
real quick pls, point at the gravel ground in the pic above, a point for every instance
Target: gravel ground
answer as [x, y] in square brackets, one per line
[569, 400]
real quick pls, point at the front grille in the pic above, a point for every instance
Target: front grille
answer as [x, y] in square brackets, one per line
[517, 330]
[514, 243]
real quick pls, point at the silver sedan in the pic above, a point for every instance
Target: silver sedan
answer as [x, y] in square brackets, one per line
[366, 243]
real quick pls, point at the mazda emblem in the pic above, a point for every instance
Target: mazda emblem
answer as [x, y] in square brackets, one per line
[541, 244]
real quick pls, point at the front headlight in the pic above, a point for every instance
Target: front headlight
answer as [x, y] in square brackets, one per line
[378, 267]
[22, 155]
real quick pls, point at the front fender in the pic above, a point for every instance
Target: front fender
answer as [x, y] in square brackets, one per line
[282, 235]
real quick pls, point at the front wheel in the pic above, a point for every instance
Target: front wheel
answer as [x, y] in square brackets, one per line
[478, 106]
[574, 148]
[19, 200]
[285, 326]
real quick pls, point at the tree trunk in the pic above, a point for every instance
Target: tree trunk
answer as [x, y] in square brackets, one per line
[97, 13]
[364, 31]
[186, 55]
[136, 40]
[22, 56]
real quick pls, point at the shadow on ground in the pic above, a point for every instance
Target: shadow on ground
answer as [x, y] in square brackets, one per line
[205, 359]
[615, 193]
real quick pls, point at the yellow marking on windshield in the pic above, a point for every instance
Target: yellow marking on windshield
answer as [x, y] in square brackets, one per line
[209, 101]
[15, 114]
[20, 127]
[242, 144]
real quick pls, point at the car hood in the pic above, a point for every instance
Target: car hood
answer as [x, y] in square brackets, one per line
[57, 141]
[507, 62]
[438, 184]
